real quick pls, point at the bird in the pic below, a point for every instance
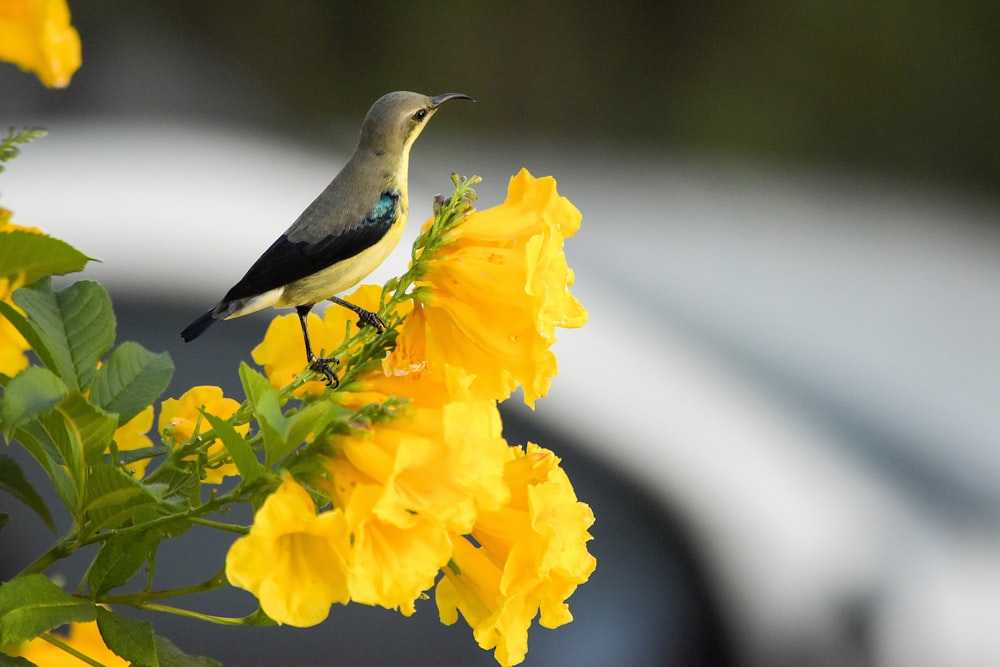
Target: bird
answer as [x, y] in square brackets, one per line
[345, 233]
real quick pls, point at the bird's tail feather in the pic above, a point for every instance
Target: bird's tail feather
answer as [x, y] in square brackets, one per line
[199, 326]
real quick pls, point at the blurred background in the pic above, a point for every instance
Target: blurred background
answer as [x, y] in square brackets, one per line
[783, 410]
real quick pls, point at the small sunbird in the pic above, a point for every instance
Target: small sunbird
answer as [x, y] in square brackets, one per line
[348, 230]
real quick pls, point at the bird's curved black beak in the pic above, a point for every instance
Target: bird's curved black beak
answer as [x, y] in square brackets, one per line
[438, 100]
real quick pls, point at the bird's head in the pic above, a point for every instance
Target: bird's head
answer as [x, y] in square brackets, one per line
[396, 120]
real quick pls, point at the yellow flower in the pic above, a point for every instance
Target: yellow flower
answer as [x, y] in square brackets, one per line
[132, 435]
[494, 292]
[391, 565]
[531, 558]
[84, 637]
[36, 36]
[13, 346]
[408, 480]
[179, 417]
[293, 559]
[282, 353]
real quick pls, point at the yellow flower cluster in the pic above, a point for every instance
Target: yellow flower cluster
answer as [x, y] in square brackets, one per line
[531, 556]
[494, 292]
[430, 486]
[36, 35]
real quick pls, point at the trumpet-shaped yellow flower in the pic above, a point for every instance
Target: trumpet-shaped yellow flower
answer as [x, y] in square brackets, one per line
[531, 558]
[409, 481]
[84, 637]
[180, 416]
[282, 354]
[133, 435]
[36, 35]
[439, 458]
[392, 565]
[293, 559]
[493, 293]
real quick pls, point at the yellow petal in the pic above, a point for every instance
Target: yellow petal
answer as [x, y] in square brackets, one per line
[293, 560]
[36, 35]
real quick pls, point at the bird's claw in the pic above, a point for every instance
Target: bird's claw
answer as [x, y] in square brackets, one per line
[367, 317]
[322, 366]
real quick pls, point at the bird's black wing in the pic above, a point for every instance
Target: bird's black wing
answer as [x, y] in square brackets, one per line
[287, 261]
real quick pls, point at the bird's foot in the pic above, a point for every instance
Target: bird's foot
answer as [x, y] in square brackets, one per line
[367, 317]
[322, 366]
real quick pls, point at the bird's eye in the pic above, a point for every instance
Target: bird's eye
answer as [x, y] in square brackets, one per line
[420, 115]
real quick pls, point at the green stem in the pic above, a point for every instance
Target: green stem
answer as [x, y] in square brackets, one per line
[219, 620]
[190, 514]
[139, 599]
[219, 525]
[55, 641]
[62, 549]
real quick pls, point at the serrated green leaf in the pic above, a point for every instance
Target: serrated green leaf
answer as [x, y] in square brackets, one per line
[9, 144]
[171, 656]
[30, 394]
[130, 380]
[77, 325]
[129, 638]
[32, 604]
[113, 497]
[120, 557]
[239, 449]
[13, 481]
[38, 255]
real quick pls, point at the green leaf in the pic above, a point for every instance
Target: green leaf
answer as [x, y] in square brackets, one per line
[34, 437]
[9, 144]
[90, 426]
[14, 661]
[177, 487]
[130, 380]
[129, 638]
[311, 420]
[239, 449]
[30, 394]
[76, 325]
[267, 409]
[171, 656]
[120, 557]
[81, 433]
[32, 604]
[13, 481]
[259, 618]
[113, 497]
[38, 255]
